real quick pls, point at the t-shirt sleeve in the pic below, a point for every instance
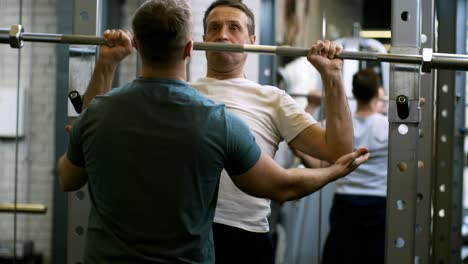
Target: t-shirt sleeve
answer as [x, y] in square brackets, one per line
[291, 119]
[242, 150]
[75, 148]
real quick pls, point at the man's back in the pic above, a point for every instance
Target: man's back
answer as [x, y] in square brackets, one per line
[371, 178]
[153, 150]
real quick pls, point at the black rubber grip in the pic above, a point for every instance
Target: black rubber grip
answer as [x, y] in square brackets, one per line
[75, 99]
[402, 106]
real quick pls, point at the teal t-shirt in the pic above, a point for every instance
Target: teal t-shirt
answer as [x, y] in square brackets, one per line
[154, 150]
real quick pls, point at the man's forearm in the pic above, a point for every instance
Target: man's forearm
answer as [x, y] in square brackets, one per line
[268, 180]
[304, 182]
[101, 81]
[339, 125]
[301, 182]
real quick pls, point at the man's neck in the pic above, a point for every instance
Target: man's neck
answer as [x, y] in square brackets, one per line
[368, 109]
[225, 75]
[177, 72]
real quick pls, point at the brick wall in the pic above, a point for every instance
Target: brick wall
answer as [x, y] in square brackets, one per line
[33, 161]
[31, 158]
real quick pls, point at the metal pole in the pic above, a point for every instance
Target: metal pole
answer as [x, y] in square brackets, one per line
[80, 71]
[449, 141]
[426, 149]
[404, 118]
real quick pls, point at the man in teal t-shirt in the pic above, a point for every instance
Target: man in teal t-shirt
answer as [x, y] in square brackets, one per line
[152, 151]
[156, 144]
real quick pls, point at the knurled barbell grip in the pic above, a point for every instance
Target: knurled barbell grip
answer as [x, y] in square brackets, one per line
[291, 51]
[215, 46]
[82, 39]
[62, 39]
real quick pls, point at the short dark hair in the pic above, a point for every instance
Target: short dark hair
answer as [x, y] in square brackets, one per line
[236, 4]
[162, 28]
[366, 85]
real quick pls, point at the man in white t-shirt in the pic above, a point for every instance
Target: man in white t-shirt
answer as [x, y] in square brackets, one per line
[241, 225]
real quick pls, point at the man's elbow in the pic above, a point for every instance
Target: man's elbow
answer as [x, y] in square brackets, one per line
[348, 146]
[70, 187]
[64, 184]
[66, 188]
[339, 152]
[69, 181]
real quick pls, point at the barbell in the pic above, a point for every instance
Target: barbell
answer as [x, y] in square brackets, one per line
[15, 36]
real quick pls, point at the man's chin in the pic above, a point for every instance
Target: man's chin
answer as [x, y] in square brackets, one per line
[221, 57]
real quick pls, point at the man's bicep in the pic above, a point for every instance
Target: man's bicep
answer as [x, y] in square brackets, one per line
[242, 150]
[290, 118]
[263, 180]
[75, 147]
[251, 170]
[71, 165]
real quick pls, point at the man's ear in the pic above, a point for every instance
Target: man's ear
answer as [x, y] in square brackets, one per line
[188, 49]
[253, 38]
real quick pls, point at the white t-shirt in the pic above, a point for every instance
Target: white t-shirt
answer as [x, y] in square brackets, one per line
[369, 178]
[272, 116]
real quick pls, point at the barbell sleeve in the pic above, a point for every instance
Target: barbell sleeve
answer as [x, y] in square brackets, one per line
[449, 61]
[53, 38]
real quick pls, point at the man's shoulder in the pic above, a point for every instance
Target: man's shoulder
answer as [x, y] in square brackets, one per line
[378, 122]
[104, 99]
[199, 98]
[231, 90]
[233, 82]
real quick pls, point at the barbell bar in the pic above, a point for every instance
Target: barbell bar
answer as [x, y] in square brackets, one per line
[383, 99]
[15, 36]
